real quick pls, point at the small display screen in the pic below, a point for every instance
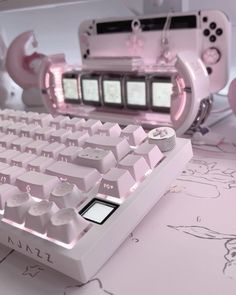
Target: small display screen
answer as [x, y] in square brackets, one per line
[136, 93]
[70, 87]
[112, 91]
[90, 89]
[161, 94]
[98, 211]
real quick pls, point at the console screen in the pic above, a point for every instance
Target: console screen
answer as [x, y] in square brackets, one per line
[136, 93]
[98, 211]
[112, 91]
[90, 90]
[70, 87]
[161, 94]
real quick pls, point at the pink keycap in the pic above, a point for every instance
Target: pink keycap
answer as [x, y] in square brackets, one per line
[40, 164]
[134, 134]
[29, 130]
[4, 125]
[91, 126]
[8, 155]
[59, 135]
[52, 150]
[39, 214]
[5, 141]
[74, 124]
[28, 117]
[7, 191]
[16, 115]
[101, 160]
[110, 129]
[69, 154]
[17, 206]
[43, 133]
[77, 138]
[59, 122]
[15, 128]
[116, 183]
[43, 119]
[21, 143]
[66, 195]
[36, 147]
[66, 225]
[10, 174]
[38, 184]
[84, 177]
[22, 159]
[136, 165]
[118, 146]
[151, 154]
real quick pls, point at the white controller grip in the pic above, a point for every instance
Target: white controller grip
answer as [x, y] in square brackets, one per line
[15, 60]
[191, 86]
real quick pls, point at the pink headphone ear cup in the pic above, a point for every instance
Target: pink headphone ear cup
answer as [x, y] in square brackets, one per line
[232, 95]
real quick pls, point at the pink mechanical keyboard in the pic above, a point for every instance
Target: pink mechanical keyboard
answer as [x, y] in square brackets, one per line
[72, 189]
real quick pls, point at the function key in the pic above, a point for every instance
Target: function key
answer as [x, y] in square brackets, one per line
[213, 25]
[110, 129]
[219, 32]
[134, 134]
[74, 124]
[212, 38]
[206, 32]
[92, 126]
[59, 121]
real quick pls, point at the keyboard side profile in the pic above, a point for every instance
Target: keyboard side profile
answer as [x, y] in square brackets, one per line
[109, 200]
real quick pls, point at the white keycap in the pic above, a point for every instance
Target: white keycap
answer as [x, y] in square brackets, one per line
[84, 177]
[110, 129]
[151, 153]
[5, 141]
[38, 184]
[17, 206]
[29, 130]
[52, 150]
[22, 159]
[119, 146]
[99, 159]
[91, 126]
[36, 146]
[77, 138]
[4, 125]
[69, 154]
[59, 122]
[7, 191]
[4, 113]
[66, 195]
[66, 225]
[40, 164]
[28, 117]
[15, 128]
[10, 174]
[16, 116]
[43, 119]
[59, 135]
[74, 124]
[39, 214]
[136, 165]
[7, 155]
[3, 166]
[43, 133]
[134, 134]
[21, 143]
[116, 183]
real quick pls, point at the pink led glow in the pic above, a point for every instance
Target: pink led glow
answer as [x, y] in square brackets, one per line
[183, 100]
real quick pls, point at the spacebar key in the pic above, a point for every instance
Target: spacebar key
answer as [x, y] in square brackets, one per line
[84, 177]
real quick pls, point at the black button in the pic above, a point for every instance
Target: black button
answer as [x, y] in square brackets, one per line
[85, 56]
[206, 32]
[209, 70]
[88, 51]
[212, 38]
[219, 32]
[205, 19]
[213, 25]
